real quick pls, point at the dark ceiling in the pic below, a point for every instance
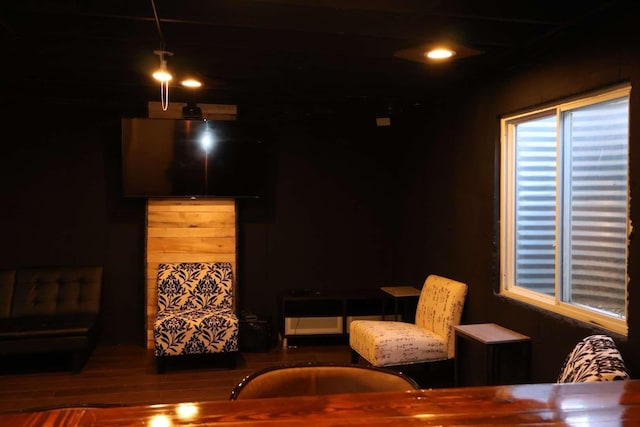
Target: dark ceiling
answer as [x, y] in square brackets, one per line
[270, 49]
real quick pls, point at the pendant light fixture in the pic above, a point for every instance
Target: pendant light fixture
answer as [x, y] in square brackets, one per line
[163, 75]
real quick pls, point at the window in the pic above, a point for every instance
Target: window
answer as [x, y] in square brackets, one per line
[565, 208]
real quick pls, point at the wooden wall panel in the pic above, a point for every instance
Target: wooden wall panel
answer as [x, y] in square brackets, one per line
[183, 230]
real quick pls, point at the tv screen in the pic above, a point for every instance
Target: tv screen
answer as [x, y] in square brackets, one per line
[192, 158]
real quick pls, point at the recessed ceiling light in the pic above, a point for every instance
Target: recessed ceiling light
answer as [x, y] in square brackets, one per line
[434, 53]
[192, 83]
[439, 53]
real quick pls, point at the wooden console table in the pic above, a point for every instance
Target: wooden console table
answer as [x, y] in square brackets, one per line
[501, 348]
[612, 403]
[328, 315]
[398, 292]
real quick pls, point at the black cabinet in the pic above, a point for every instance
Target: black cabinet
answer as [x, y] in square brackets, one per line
[328, 315]
[489, 354]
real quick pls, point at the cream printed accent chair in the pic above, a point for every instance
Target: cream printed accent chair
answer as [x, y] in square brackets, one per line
[195, 311]
[431, 338]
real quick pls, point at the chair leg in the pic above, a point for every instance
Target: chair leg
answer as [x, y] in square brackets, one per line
[231, 359]
[78, 360]
[355, 357]
[161, 365]
[437, 374]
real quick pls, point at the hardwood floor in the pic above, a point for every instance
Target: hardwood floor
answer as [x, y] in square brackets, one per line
[125, 374]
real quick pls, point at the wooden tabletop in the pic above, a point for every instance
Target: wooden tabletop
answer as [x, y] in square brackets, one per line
[401, 291]
[585, 404]
[490, 333]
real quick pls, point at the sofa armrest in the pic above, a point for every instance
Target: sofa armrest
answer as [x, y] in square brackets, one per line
[7, 278]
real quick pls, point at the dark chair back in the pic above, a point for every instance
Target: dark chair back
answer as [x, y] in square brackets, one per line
[320, 379]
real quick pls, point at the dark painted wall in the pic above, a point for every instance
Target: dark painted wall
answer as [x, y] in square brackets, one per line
[322, 226]
[61, 205]
[451, 198]
[352, 205]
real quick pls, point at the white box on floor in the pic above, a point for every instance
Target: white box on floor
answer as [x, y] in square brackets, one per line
[312, 325]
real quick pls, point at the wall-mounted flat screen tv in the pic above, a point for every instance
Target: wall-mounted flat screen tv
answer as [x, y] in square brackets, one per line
[192, 158]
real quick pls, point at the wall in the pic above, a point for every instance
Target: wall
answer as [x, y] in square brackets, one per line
[450, 177]
[62, 205]
[322, 225]
[342, 212]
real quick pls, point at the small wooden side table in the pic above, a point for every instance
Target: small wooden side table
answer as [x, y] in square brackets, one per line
[502, 348]
[398, 292]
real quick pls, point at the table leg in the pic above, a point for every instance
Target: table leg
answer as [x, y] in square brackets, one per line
[490, 365]
[456, 362]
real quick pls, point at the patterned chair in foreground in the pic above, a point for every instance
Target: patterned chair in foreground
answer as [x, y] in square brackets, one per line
[195, 311]
[595, 358]
[431, 338]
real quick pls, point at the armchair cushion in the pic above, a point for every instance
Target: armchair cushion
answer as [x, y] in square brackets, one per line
[440, 308]
[385, 343]
[195, 313]
[430, 338]
[190, 285]
[195, 331]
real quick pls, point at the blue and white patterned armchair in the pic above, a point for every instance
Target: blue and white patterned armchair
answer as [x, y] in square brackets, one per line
[431, 338]
[595, 358]
[195, 311]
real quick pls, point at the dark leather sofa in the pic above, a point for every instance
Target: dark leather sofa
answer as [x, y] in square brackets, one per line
[50, 309]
